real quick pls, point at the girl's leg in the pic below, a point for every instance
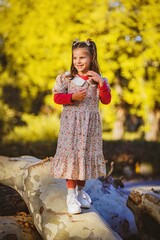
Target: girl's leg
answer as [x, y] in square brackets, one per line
[71, 185]
[72, 202]
[80, 184]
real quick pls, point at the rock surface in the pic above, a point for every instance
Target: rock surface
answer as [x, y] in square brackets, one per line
[145, 204]
[45, 198]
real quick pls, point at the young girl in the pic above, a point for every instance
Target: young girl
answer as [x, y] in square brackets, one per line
[79, 153]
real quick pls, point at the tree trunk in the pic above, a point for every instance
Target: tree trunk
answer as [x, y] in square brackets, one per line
[118, 129]
[154, 122]
[145, 205]
[45, 198]
[20, 227]
[110, 202]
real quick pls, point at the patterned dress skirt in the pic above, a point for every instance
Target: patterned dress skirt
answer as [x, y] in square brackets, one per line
[79, 153]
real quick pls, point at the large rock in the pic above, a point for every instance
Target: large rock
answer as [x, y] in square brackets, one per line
[45, 198]
[145, 204]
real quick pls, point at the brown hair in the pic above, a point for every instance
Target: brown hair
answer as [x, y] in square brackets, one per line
[92, 49]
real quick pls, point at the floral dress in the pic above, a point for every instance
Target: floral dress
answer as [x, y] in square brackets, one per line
[79, 153]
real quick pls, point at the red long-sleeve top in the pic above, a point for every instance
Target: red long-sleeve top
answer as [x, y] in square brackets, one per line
[66, 98]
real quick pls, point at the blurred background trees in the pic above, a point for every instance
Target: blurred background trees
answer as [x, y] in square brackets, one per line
[35, 46]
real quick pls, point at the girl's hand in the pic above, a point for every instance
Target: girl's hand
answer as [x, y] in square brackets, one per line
[95, 77]
[80, 95]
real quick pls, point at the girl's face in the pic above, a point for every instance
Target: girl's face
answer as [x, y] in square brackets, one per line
[82, 60]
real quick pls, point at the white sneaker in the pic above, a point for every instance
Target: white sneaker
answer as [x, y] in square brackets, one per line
[84, 199]
[74, 206]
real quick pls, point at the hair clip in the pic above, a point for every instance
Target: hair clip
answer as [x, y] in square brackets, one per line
[75, 41]
[88, 43]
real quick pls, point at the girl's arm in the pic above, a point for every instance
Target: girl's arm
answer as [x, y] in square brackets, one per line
[63, 98]
[69, 98]
[103, 86]
[104, 93]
